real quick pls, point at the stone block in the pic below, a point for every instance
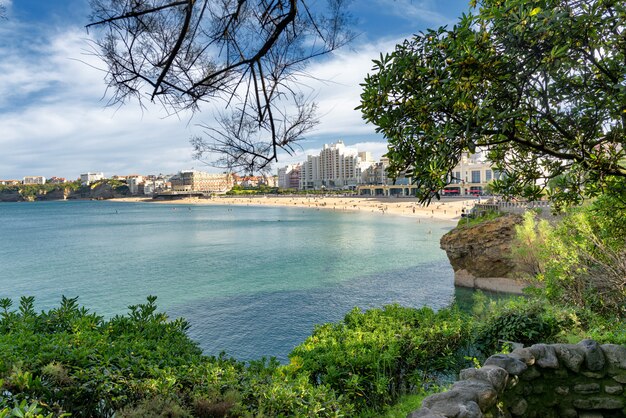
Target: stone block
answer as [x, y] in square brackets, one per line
[545, 356]
[615, 356]
[613, 389]
[594, 356]
[425, 413]
[495, 375]
[590, 415]
[512, 365]
[523, 354]
[561, 390]
[620, 378]
[568, 413]
[571, 355]
[530, 374]
[587, 388]
[599, 402]
[519, 408]
[594, 375]
[484, 393]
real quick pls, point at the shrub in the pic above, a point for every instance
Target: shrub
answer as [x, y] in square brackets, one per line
[375, 356]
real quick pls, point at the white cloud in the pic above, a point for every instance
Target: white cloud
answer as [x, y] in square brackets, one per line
[55, 123]
[423, 11]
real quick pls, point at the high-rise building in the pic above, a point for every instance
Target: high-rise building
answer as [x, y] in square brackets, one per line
[289, 176]
[336, 167]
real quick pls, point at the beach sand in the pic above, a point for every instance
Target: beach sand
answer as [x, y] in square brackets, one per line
[445, 209]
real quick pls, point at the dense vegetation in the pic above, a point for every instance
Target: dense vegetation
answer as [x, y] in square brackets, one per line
[536, 84]
[69, 360]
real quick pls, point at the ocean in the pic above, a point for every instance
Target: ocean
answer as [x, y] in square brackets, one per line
[252, 281]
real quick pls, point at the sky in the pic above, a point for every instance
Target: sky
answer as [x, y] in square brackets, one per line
[54, 118]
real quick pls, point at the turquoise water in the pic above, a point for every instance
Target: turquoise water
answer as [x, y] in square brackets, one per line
[252, 281]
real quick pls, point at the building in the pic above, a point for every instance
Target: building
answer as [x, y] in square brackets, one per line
[336, 167]
[199, 181]
[34, 180]
[376, 174]
[152, 187]
[10, 182]
[134, 182]
[57, 180]
[88, 178]
[289, 176]
[470, 177]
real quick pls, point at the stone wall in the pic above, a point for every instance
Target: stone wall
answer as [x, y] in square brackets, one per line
[558, 380]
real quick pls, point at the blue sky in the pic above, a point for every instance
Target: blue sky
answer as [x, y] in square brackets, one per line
[53, 115]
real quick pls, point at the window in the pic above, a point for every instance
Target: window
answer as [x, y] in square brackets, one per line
[487, 175]
[475, 176]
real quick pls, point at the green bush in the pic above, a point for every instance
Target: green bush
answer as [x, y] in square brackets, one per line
[522, 320]
[580, 261]
[374, 357]
[70, 360]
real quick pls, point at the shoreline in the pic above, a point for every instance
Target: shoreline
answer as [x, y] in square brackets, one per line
[448, 209]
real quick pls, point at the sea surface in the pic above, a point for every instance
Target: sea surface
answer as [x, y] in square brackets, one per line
[252, 281]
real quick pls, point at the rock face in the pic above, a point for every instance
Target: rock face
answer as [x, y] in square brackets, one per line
[11, 196]
[480, 255]
[56, 194]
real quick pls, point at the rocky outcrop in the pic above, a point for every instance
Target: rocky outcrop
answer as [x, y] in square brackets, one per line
[57, 194]
[558, 380]
[11, 195]
[480, 255]
[99, 191]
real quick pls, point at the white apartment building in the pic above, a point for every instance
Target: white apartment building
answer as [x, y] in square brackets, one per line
[88, 178]
[470, 177]
[34, 180]
[336, 167]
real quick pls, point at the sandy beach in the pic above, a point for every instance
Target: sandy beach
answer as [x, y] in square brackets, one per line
[445, 209]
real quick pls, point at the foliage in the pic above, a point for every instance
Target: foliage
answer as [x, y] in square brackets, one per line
[68, 359]
[242, 53]
[536, 84]
[373, 357]
[581, 261]
[31, 191]
[522, 320]
[23, 410]
[262, 189]
[476, 219]
[529, 244]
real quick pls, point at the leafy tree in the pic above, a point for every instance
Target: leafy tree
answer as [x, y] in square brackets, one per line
[245, 53]
[538, 85]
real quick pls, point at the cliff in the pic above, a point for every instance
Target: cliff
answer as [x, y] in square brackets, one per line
[480, 255]
[99, 191]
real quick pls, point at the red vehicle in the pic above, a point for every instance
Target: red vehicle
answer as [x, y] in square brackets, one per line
[476, 191]
[452, 191]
